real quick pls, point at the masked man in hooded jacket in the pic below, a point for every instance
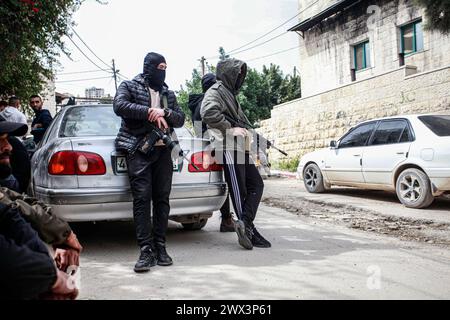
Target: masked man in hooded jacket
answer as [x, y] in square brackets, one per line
[194, 104]
[142, 101]
[221, 112]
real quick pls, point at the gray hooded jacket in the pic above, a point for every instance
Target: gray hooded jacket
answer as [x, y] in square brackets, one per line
[220, 101]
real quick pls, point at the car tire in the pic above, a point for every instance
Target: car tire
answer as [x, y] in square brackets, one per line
[413, 188]
[195, 225]
[313, 179]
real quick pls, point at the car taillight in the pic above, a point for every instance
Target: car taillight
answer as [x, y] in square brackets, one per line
[201, 160]
[76, 163]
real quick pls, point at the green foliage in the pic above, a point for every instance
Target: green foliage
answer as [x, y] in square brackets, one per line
[288, 165]
[263, 90]
[259, 93]
[437, 13]
[31, 35]
[192, 86]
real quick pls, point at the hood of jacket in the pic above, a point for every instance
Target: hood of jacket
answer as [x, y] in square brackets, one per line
[229, 73]
[9, 111]
[208, 80]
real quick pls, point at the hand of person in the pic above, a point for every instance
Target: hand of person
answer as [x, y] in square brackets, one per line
[72, 242]
[155, 113]
[65, 258]
[162, 123]
[239, 132]
[64, 287]
[208, 160]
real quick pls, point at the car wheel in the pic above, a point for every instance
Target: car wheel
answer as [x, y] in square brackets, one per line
[195, 225]
[414, 189]
[313, 179]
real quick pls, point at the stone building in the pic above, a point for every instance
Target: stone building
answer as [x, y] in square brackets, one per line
[360, 60]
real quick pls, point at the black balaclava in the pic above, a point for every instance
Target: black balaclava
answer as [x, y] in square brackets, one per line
[208, 81]
[153, 76]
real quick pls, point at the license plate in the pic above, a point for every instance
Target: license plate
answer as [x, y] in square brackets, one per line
[176, 165]
[121, 165]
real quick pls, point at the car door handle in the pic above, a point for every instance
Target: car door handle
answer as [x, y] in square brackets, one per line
[400, 153]
[357, 155]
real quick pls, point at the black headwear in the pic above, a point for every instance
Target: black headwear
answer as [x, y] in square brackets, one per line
[12, 128]
[153, 76]
[208, 81]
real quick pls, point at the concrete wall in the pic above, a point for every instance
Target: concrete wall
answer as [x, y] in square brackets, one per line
[306, 124]
[326, 52]
[48, 97]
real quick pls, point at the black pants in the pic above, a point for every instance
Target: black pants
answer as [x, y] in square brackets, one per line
[244, 183]
[225, 209]
[151, 180]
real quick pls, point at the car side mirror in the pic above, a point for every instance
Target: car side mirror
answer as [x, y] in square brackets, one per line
[333, 144]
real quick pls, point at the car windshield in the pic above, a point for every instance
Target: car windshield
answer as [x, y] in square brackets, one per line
[86, 121]
[440, 125]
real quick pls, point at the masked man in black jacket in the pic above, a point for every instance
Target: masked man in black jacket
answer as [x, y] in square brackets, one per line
[142, 101]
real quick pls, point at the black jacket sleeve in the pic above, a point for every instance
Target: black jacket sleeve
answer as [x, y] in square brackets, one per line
[123, 105]
[45, 119]
[20, 164]
[25, 266]
[177, 116]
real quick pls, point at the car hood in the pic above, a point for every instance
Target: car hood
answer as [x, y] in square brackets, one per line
[316, 155]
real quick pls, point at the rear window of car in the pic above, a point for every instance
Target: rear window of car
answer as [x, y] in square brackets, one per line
[183, 132]
[87, 121]
[440, 125]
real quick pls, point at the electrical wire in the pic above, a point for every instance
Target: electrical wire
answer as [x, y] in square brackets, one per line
[273, 54]
[78, 72]
[78, 36]
[77, 80]
[236, 50]
[70, 38]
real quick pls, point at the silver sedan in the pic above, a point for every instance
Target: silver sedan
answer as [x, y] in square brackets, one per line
[77, 170]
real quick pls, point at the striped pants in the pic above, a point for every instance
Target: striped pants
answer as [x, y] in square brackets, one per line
[244, 183]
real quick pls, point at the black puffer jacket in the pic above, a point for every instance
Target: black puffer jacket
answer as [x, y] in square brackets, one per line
[132, 102]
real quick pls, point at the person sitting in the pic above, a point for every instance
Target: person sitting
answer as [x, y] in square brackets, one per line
[50, 228]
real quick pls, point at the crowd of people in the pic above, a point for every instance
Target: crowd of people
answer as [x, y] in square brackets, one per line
[145, 104]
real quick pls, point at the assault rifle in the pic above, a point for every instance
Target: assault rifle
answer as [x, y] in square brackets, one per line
[260, 139]
[149, 140]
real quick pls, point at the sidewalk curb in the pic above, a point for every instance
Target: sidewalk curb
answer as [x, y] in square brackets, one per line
[284, 174]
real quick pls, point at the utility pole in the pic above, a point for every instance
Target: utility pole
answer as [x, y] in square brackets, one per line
[202, 61]
[295, 71]
[114, 73]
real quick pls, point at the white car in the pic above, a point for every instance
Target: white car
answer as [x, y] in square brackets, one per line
[406, 154]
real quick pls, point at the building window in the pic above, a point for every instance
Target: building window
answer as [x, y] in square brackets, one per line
[412, 37]
[361, 54]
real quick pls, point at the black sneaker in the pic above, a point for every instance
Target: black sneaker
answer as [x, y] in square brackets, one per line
[162, 257]
[244, 234]
[146, 260]
[227, 225]
[259, 241]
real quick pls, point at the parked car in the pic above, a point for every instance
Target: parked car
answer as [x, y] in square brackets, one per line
[77, 170]
[30, 145]
[406, 154]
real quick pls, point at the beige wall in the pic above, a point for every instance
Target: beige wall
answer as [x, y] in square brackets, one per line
[306, 124]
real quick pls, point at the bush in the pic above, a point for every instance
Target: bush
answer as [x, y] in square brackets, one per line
[288, 165]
